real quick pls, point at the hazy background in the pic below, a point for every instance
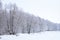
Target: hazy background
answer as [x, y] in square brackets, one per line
[47, 9]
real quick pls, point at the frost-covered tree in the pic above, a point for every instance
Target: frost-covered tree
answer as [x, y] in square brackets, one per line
[3, 20]
[13, 10]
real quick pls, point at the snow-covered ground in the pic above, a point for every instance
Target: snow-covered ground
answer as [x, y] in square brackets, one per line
[48, 35]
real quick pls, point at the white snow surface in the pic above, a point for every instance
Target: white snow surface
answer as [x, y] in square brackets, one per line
[47, 35]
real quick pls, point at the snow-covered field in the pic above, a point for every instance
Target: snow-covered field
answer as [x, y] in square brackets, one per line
[48, 35]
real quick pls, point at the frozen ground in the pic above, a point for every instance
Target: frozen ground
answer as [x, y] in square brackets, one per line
[51, 35]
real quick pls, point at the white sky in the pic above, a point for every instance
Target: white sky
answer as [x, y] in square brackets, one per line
[47, 9]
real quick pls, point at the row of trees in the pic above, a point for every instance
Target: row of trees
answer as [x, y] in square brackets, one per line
[14, 21]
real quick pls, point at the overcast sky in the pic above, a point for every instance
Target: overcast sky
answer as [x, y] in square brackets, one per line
[47, 9]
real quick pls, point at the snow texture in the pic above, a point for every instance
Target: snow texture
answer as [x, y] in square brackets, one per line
[51, 35]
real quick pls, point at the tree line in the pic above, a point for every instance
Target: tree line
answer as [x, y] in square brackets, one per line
[14, 20]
